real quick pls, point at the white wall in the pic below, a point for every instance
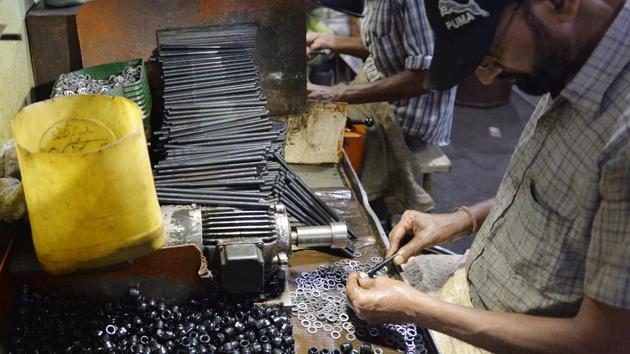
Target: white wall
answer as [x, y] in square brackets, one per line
[16, 75]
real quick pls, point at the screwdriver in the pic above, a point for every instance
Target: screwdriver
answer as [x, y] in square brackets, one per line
[320, 52]
[380, 266]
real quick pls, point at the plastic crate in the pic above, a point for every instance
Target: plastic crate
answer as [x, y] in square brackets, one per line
[139, 92]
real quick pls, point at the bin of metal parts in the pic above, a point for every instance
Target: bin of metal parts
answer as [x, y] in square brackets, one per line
[125, 78]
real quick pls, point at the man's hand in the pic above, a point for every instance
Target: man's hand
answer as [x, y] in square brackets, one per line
[381, 299]
[417, 231]
[318, 41]
[325, 93]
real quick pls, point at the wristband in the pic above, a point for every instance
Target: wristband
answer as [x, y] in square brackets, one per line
[471, 215]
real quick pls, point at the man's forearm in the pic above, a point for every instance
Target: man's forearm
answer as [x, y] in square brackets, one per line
[463, 224]
[512, 333]
[481, 210]
[400, 86]
[350, 45]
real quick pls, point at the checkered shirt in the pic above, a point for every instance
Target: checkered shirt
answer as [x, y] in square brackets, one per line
[560, 227]
[399, 37]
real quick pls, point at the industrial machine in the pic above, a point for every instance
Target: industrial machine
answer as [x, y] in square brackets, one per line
[245, 248]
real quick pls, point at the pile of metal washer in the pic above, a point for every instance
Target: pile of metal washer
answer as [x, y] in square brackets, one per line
[218, 146]
[68, 85]
[138, 324]
[320, 304]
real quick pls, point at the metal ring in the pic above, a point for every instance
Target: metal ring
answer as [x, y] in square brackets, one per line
[376, 260]
[305, 323]
[110, 329]
[335, 334]
[312, 330]
[344, 317]
[378, 350]
[351, 337]
[318, 324]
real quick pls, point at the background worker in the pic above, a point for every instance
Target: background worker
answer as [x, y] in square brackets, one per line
[397, 45]
[549, 270]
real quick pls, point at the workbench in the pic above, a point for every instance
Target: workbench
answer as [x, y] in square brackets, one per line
[172, 272]
[337, 185]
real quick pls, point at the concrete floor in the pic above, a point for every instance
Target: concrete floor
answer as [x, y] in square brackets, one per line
[479, 159]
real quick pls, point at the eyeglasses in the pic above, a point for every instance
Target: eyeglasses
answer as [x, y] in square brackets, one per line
[500, 38]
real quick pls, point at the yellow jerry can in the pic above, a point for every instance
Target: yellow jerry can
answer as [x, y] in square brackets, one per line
[87, 181]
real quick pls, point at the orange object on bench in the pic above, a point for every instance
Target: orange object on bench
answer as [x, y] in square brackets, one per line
[354, 143]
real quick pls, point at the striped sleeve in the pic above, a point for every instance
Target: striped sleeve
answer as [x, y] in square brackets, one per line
[417, 36]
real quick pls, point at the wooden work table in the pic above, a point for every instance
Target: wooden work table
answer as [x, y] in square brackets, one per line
[340, 188]
[337, 185]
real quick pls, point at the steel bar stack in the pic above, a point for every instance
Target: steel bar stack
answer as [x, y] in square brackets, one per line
[219, 147]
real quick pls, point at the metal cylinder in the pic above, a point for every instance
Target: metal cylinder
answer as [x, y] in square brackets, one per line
[334, 235]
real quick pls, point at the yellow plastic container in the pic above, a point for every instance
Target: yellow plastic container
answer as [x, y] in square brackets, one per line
[87, 181]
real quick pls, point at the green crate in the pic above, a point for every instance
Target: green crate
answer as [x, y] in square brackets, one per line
[139, 92]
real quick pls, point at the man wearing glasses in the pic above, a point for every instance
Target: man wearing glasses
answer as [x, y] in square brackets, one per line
[549, 270]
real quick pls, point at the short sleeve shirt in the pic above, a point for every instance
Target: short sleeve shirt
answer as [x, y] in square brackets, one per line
[560, 226]
[398, 36]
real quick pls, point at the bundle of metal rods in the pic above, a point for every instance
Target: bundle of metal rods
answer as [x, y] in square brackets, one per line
[219, 146]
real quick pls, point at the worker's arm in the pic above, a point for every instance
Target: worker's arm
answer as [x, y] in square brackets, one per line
[414, 48]
[403, 85]
[417, 231]
[338, 44]
[597, 328]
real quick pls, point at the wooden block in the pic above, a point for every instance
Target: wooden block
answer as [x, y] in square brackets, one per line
[431, 159]
[316, 136]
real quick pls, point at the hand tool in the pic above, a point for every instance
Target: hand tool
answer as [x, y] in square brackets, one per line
[368, 122]
[325, 51]
[380, 266]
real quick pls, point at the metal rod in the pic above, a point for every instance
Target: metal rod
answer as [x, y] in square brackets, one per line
[372, 272]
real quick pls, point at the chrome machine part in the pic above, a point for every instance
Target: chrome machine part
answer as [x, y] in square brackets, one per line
[334, 235]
